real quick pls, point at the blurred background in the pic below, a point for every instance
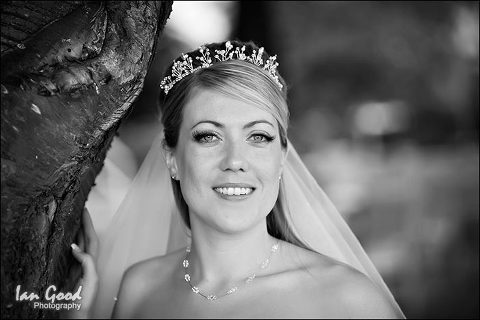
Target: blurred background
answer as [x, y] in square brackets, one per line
[384, 107]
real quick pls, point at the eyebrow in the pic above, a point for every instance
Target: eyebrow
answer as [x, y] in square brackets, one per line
[248, 125]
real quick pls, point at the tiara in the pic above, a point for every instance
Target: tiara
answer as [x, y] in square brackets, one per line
[184, 67]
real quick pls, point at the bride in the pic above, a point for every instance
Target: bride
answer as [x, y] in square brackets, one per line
[257, 238]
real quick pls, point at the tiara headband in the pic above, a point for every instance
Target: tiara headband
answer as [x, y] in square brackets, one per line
[183, 68]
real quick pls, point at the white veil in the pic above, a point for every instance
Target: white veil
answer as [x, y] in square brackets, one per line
[147, 224]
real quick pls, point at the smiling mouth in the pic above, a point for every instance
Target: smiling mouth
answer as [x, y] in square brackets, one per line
[234, 191]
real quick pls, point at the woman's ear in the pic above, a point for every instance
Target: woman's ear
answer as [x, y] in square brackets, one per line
[170, 160]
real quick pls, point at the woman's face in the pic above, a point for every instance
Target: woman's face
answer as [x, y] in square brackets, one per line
[228, 160]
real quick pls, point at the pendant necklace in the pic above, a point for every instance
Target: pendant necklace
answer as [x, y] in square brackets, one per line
[233, 289]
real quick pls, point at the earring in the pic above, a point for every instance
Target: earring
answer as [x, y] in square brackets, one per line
[174, 177]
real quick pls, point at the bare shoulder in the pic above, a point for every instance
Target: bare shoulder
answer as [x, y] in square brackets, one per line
[346, 288]
[361, 296]
[140, 279]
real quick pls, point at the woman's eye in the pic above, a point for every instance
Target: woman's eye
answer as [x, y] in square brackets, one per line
[205, 137]
[257, 138]
[208, 138]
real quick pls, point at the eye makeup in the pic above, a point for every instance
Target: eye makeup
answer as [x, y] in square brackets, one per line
[204, 136]
[261, 138]
[208, 136]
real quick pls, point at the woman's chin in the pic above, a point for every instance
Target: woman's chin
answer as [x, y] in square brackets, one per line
[234, 221]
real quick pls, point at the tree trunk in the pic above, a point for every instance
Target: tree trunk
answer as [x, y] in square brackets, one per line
[70, 72]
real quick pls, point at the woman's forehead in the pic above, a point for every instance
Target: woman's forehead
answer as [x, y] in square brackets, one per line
[207, 104]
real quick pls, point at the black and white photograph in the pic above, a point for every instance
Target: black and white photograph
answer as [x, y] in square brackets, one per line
[239, 159]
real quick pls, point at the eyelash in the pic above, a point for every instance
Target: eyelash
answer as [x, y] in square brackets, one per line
[199, 135]
[266, 138]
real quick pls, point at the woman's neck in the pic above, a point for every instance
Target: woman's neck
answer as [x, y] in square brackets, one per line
[218, 259]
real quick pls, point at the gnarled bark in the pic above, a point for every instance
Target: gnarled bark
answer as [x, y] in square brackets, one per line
[70, 72]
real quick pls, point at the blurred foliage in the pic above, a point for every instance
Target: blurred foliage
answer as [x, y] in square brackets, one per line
[337, 55]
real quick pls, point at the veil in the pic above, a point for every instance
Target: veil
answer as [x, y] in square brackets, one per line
[147, 224]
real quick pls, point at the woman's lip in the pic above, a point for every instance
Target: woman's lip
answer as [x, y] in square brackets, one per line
[234, 193]
[234, 185]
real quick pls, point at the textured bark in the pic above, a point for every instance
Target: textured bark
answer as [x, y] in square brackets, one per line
[70, 72]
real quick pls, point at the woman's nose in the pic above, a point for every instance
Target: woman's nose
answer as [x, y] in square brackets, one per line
[234, 158]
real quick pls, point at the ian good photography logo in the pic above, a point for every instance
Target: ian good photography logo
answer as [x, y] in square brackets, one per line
[51, 298]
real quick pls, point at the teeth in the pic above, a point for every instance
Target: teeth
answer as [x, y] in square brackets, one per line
[234, 191]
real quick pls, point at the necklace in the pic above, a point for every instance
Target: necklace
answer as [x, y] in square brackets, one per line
[233, 289]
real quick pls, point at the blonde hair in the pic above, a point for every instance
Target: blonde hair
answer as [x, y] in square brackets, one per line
[241, 80]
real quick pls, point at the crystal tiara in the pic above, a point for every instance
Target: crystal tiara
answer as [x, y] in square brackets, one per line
[184, 67]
